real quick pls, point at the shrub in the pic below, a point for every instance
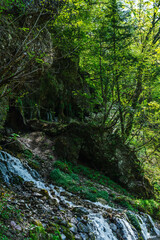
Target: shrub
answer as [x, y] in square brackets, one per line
[134, 221]
[103, 194]
[61, 178]
[62, 166]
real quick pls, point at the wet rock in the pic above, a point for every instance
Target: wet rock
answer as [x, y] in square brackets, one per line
[77, 237]
[113, 227]
[63, 237]
[44, 192]
[63, 204]
[74, 229]
[102, 201]
[35, 194]
[74, 220]
[82, 228]
[13, 224]
[84, 236]
[34, 189]
[92, 236]
[54, 202]
[80, 211]
[29, 184]
[64, 223]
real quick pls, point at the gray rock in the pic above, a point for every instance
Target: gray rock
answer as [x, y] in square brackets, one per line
[113, 227]
[74, 229]
[35, 194]
[80, 211]
[82, 228]
[63, 237]
[29, 184]
[84, 236]
[77, 237]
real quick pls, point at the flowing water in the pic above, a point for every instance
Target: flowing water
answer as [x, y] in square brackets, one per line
[102, 228]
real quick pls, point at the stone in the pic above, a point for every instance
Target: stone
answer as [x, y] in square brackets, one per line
[82, 228]
[44, 192]
[63, 237]
[80, 211]
[35, 194]
[74, 229]
[102, 201]
[113, 227]
[77, 237]
[54, 202]
[34, 189]
[84, 236]
[18, 227]
[13, 224]
[29, 184]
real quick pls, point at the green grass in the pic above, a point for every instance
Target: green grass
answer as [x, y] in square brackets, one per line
[91, 174]
[73, 184]
[68, 175]
[96, 177]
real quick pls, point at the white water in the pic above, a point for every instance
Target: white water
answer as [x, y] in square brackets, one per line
[100, 227]
[153, 225]
[143, 226]
[128, 232]
[11, 166]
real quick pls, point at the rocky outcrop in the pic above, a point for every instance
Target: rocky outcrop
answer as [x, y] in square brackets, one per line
[86, 144]
[103, 151]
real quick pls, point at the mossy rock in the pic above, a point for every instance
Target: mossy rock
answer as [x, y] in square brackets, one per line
[66, 231]
[34, 164]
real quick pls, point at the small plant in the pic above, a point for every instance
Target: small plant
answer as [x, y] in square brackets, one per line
[34, 164]
[62, 179]
[134, 221]
[124, 202]
[28, 154]
[62, 166]
[14, 136]
[39, 233]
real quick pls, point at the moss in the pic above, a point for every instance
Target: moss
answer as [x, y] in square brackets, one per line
[34, 164]
[67, 233]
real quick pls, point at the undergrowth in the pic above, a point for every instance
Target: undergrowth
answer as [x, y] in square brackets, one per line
[68, 175]
[73, 184]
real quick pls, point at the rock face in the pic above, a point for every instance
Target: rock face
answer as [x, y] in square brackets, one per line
[85, 144]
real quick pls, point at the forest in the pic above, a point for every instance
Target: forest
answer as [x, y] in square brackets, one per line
[79, 99]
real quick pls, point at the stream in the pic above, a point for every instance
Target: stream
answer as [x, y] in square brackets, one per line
[103, 222]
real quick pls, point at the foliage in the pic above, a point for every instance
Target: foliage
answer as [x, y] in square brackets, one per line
[39, 233]
[62, 166]
[134, 221]
[73, 184]
[96, 177]
[27, 154]
[105, 71]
